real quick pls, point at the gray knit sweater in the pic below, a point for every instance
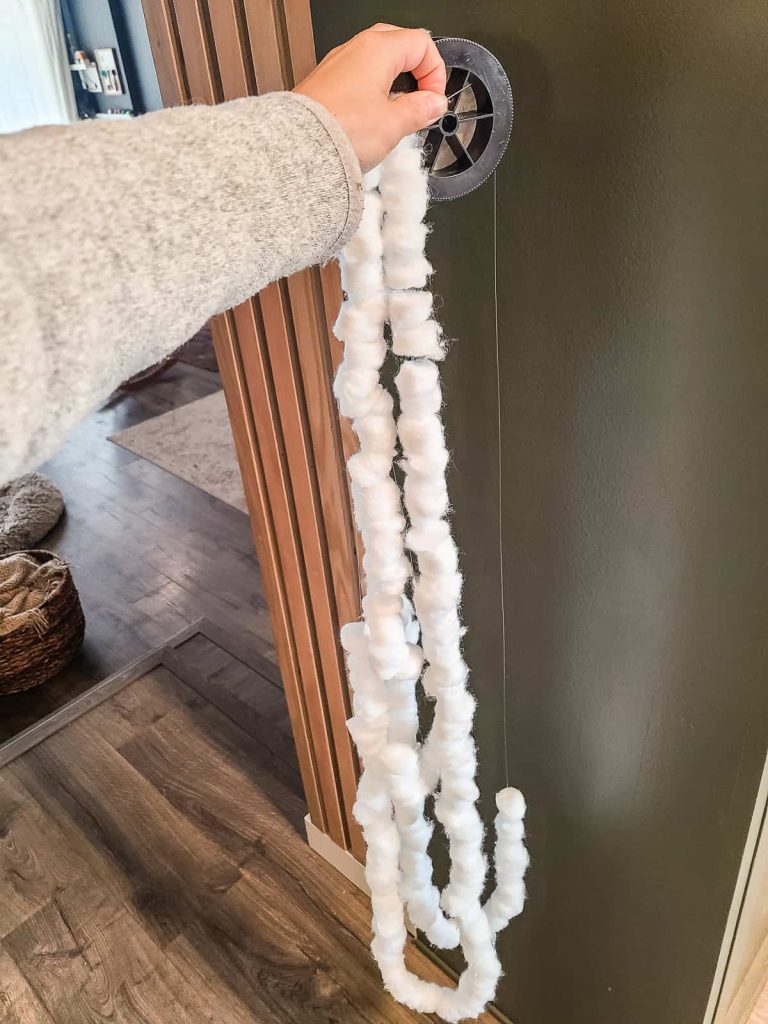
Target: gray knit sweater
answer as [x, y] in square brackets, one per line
[118, 240]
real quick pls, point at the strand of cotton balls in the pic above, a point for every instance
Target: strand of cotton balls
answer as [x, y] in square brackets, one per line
[390, 652]
[384, 276]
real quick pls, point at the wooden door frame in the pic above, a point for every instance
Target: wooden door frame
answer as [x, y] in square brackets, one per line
[277, 356]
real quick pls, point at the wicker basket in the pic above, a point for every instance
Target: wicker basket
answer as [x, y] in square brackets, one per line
[30, 656]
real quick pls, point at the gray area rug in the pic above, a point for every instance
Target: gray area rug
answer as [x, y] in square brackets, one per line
[195, 443]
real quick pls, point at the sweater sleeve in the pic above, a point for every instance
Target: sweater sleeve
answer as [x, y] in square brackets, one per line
[118, 240]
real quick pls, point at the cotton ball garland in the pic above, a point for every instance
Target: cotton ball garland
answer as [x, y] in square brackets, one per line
[399, 643]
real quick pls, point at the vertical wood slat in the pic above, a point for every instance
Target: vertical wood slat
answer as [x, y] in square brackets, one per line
[158, 15]
[190, 21]
[277, 360]
[301, 39]
[234, 65]
[266, 45]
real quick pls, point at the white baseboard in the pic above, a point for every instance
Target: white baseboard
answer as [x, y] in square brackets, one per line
[342, 860]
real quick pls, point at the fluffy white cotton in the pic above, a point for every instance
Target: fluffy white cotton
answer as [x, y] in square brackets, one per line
[384, 275]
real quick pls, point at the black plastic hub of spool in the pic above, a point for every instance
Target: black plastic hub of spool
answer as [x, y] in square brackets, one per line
[463, 148]
[449, 124]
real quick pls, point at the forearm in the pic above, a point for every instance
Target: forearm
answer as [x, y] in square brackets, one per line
[119, 240]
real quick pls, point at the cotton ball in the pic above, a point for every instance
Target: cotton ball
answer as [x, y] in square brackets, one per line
[366, 244]
[441, 590]
[400, 760]
[366, 355]
[511, 804]
[442, 933]
[425, 497]
[358, 383]
[424, 465]
[421, 340]
[353, 636]
[363, 813]
[382, 502]
[403, 239]
[383, 405]
[372, 793]
[460, 789]
[361, 280]
[386, 630]
[423, 404]
[375, 605]
[417, 376]
[377, 433]
[367, 468]
[409, 308]
[403, 167]
[407, 273]
[361, 321]
[403, 181]
[356, 390]
[459, 708]
[436, 556]
[369, 740]
[414, 662]
[423, 434]
[428, 536]
[419, 995]
[371, 179]
[388, 572]
[462, 820]
[389, 915]
[512, 831]
[512, 859]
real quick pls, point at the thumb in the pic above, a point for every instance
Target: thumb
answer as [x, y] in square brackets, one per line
[415, 110]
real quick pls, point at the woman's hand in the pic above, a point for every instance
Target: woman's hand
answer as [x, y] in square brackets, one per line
[353, 83]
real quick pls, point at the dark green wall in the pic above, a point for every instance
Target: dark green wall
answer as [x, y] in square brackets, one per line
[633, 286]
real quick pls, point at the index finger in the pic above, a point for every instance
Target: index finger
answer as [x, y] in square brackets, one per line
[414, 50]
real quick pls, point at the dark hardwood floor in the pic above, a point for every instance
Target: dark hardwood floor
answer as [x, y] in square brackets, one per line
[149, 553]
[153, 870]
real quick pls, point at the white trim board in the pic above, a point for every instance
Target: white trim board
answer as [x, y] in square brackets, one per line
[340, 859]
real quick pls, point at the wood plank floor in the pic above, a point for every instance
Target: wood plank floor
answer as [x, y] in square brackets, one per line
[153, 871]
[149, 553]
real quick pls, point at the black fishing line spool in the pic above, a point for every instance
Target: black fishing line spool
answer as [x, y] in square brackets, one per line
[463, 148]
